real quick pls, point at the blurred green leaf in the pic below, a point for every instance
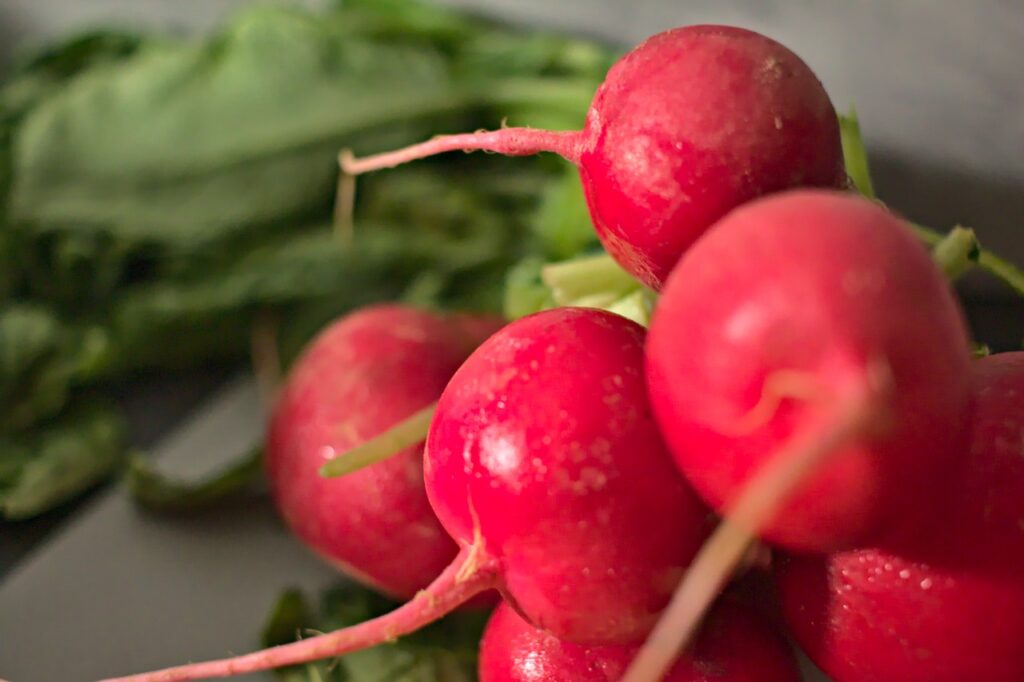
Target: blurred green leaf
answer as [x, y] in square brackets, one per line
[562, 221]
[156, 491]
[443, 652]
[156, 187]
[41, 358]
[525, 292]
[60, 460]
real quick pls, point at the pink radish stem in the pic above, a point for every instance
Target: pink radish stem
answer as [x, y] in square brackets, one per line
[508, 141]
[467, 576]
[727, 547]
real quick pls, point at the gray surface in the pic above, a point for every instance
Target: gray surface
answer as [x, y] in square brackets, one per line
[939, 88]
[119, 591]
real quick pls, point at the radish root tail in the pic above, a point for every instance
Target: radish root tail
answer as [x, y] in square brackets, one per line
[508, 141]
[862, 415]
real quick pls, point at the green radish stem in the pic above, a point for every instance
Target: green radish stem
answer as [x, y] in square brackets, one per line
[726, 550]
[855, 155]
[857, 167]
[636, 306]
[575, 279]
[406, 433]
[957, 251]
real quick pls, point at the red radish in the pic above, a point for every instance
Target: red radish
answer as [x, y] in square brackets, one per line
[357, 378]
[875, 616]
[775, 318]
[809, 367]
[692, 123]
[544, 463]
[734, 646]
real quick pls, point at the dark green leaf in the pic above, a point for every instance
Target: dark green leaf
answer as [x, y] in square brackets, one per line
[443, 652]
[68, 457]
[288, 620]
[40, 358]
[157, 491]
[171, 145]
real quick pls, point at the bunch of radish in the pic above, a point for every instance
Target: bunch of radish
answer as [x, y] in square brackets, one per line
[806, 383]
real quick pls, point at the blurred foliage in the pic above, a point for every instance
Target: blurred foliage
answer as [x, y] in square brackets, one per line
[159, 194]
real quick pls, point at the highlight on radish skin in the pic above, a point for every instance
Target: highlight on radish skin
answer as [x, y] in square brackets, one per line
[544, 463]
[692, 123]
[545, 447]
[734, 643]
[359, 376]
[957, 614]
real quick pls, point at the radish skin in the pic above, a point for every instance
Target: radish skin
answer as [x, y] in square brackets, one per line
[847, 303]
[825, 286]
[950, 605]
[358, 377]
[734, 643]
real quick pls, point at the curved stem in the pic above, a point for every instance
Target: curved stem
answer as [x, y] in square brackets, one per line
[729, 545]
[406, 433]
[1010, 274]
[464, 578]
[508, 141]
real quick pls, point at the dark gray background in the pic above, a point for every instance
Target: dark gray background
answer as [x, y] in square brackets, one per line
[940, 90]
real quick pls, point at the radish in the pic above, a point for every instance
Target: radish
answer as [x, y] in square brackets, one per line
[777, 317]
[359, 376]
[692, 123]
[809, 366]
[733, 646]
[544, 463]
[877, 616]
